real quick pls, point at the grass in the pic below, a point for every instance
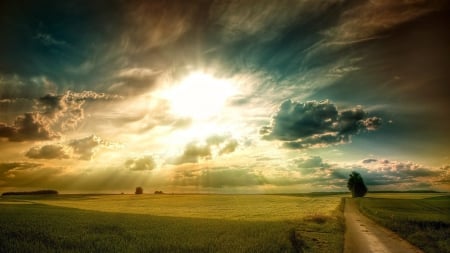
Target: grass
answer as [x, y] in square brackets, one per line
[171, 223]
[229, 207]
[404, 195]
[423, 222]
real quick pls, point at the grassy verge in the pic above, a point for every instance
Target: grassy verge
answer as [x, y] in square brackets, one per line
[171, 224]
[423, 222]
[320, 233]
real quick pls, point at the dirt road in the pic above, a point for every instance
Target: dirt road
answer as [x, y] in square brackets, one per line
[363, 235]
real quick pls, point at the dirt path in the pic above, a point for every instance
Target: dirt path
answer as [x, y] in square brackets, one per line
[363, 235]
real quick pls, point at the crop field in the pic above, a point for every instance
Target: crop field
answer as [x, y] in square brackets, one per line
[171, 223]
[422, 219]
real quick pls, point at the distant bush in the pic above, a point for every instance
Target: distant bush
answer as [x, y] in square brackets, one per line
[159, 192]
[139, 190]
[42, 192]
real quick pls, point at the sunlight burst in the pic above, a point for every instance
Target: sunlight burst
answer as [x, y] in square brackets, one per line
[199, 96]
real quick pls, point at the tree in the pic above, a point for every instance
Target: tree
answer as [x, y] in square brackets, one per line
[356, 185]
[139, 190]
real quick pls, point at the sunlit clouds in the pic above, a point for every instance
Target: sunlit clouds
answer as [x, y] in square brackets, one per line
[224, 96]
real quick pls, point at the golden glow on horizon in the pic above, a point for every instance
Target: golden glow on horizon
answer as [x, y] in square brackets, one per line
[199, 96]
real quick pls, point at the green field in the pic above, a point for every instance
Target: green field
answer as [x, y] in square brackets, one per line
[422, 219]
[171, 223]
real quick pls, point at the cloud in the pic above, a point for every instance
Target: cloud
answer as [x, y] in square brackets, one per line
[372, 19]
[229, 147]
[81, 149]
[224, 144]
[15, 86]
[369, 160]
[237, 19]
[85, 148]
[30, 126]
[310, 165]
[170, 20]
[5, 167]
[218, 177]
[134, 81]
[316, 124]
[67, 109]
[143, 163]
[139, 73]
[48, 152]
[48, 40]
[214, 145]
[401, 169]
[192, 153]
[231, 177]
[30, 175]
[53, 113]
[380, 174]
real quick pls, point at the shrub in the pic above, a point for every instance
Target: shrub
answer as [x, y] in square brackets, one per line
[139, 190]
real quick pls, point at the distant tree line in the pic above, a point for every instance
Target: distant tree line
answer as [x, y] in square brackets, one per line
[41, 192]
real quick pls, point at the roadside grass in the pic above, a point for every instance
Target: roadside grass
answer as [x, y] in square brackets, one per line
[404, 195]
[183, 223]
[423, 222]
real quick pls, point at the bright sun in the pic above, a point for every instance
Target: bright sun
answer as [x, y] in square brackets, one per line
[199, 95]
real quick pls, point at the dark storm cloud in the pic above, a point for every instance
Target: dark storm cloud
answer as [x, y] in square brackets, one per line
[303, 125]
[213, 145]
[142, 163]
[51, 151]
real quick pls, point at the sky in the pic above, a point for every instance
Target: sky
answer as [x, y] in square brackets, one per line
[224, 96]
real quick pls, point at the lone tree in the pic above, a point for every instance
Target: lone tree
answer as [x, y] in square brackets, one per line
[139, 190]
[356, 185]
